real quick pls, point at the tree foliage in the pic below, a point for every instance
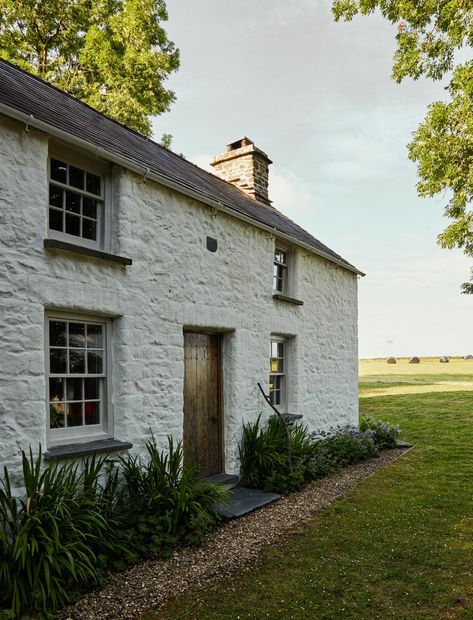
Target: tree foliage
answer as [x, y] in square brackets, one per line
[429, 35]
[112, 54]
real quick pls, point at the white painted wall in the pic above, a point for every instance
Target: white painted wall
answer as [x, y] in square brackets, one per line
[174, 282]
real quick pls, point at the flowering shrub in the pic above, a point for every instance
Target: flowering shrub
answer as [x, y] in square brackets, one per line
[264, 460]
[338, 448]
[385, 435]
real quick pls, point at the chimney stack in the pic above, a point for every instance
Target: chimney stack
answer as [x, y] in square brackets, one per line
[246, 166]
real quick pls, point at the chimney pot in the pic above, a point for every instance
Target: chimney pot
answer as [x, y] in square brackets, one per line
[247, 167]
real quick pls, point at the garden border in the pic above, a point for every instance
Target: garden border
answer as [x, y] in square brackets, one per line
[233, 548]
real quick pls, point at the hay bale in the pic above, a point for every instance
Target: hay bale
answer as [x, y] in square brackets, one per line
[391, 360]
[414, 360]
[444, 359]
[468, 357]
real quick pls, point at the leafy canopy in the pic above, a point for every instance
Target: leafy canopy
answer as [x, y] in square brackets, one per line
[112, 54]
[429, 34]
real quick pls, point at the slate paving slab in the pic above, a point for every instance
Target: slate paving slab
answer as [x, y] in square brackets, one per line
[244, 500]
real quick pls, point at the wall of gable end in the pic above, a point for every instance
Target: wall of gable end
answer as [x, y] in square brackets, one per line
[173, 283]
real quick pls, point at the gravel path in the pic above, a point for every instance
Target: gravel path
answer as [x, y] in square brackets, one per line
[228, 550]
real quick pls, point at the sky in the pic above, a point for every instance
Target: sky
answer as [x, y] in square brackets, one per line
[317, 97]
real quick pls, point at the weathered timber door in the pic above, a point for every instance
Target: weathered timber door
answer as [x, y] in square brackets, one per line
[202, 411]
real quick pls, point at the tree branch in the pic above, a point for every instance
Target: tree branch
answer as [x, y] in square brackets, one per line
[285, 426]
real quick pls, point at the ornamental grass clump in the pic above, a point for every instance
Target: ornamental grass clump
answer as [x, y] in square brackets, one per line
[47, 536]
[72, 522]
[264, 461]
[166, 502]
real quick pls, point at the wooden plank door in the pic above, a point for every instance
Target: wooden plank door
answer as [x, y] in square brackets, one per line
[202, 411]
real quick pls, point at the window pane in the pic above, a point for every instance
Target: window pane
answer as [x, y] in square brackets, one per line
[91, 389]
[57, 334]
[56, 389]
[89, 207]
[89, 229]
[94, 362]
[94, 336]
[56, 415]
[280, 256]
[77, 334]
[74, 414]
[93, 184]
[76, 361]
[274, 349]
[55, 220]
[74, 389]
[76, 177]
[55, 196]
[57, 361]
[58, 171]
[280, 349]
[92, 413]
[73, 202]
[73, 225]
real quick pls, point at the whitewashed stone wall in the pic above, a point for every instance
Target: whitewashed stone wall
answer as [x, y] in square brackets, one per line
[174, 282]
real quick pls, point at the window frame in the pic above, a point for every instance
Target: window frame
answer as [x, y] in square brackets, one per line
[279, 247]
[97, 167]
[81, 434]
[282, 406]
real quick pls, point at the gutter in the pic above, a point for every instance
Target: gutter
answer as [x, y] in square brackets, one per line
[31, 121]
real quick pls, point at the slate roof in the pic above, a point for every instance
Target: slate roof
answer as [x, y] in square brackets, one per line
[33, 96]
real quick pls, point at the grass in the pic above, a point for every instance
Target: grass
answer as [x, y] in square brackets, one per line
[400, 545]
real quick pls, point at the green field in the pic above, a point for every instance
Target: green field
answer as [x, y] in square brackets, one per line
[378, 378]
[400, 545]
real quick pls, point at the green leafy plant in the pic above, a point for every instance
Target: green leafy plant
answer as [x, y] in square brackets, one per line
[169, 501]
[385, 435]
[72, 521]
[47, 537]
[263, 455]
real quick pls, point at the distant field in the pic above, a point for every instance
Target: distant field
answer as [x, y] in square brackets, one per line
[378, 378]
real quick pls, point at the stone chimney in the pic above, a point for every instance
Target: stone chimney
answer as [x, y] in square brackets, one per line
[246, 166]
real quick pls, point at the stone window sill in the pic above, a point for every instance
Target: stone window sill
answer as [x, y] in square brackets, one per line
[290, 300]
[54, 244]
[75, 450]
[289, 418]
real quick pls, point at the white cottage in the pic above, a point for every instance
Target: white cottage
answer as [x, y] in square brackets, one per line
[139, 293]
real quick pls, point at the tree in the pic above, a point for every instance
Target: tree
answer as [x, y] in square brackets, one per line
[429, 35]
[112, 54]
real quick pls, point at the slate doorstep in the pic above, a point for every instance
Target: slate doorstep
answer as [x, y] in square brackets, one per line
[403, 444]
[243, 501]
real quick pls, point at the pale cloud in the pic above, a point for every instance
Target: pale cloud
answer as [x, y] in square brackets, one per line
[293, 197]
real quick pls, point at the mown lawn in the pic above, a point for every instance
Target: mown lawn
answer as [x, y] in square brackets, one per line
[400, 545]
